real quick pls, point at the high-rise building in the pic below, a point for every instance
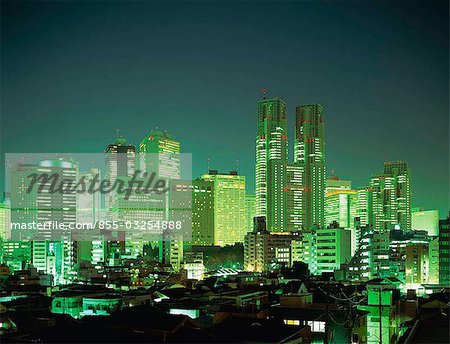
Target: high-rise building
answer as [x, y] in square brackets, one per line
[364, 210]
[427, 220]
[159, 152]
[229, 207]
[46, 203]
[294, 196]
[309, 151]
[271, 160]
[120, 159]
[340, 203]
[391, 197]
[203, 212]
[444, 251]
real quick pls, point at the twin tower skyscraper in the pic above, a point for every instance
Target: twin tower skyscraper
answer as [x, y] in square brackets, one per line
[291, 195]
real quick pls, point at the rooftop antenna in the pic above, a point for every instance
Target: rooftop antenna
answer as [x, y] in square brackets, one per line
[209, 164]
[263, 93]
[237, 165]
[117, 133]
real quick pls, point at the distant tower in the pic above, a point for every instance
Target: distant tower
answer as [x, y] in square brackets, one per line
[159, 152]
[119, 159]
[309, 152]
[391, 197]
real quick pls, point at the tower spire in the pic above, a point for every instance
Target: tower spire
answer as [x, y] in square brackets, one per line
[263, 93]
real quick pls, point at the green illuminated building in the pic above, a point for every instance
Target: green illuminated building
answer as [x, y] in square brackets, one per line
[42, 206]
[427, 220]
[333, 247]
[294, 196]
[159, 152]
[444, 251]
[271, 160]
[250, 211]
[391, 197]
[340, 203]
[309, 152]
[229, 207]
[364, 209]
[203, 212]
[383, 320]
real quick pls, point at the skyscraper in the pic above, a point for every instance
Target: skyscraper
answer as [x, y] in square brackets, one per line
[364, 208]
[229, 207]
[120, 159]
[159, 152]
[340, 203]
[203, 212]
[271, 160]
[46, 203]
[309, 152]
[391, 197]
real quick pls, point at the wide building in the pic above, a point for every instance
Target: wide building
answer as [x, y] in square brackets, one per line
[427, 220]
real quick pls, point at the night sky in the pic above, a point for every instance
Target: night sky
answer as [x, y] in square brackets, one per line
[74, 72]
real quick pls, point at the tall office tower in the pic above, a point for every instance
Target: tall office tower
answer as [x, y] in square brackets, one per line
[120, 162]
[159, 152]
[391, 201]
[119, 159]
[364, 206]
[340, 202]
[444, 251]
[309, 152]
[427, 220]
[203, 212]
[271, 160]
[294, 197]
[250, 211]
[48, 205]
[229, 207]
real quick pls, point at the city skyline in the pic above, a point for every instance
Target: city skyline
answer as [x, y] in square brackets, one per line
[373, 74]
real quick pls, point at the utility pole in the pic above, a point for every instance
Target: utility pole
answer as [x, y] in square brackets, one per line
[380, 309]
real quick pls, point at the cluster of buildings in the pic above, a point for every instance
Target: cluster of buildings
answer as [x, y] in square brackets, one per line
[122, 242]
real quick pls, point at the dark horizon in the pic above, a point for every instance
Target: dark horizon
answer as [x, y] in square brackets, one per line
[73, 73]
